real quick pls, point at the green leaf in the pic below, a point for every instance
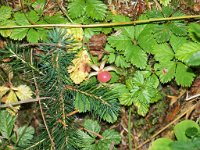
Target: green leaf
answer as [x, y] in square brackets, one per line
[187, 50]
[19, 34]
[87, 140]
[141, 27]
[165, 71]
[165, 2]
[76, 8]
[194, 32]
[184, 75]
[161, 144]
[176, 42]
[111, 136]
[32, 36]
[178, 28]
[120, 18]
[111, 58]
[92, 126]
[140, 91]
[167, 11]
[38, 6]
[186, 145]
[6, 33]
[96, 9]
[154, 13]
[181, 128]
[120, 42]
[33, 16]
[21, 19]
[5, 13]
[194, 59]
[121, 62]
[162, 33]
[7, 122]
[163, 53]
[146, 39]
[136, 56]
[126, 99]
[23, 136]
[142, 108]
[55, 19]
[129, 31]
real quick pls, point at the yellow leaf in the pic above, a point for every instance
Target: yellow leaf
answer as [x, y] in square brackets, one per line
[24, 92]
[12, 98]
[77, 36]
[3, 91]
[77, 33]
[80, 69]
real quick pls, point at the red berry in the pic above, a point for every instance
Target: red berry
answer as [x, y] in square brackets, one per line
[104, 76]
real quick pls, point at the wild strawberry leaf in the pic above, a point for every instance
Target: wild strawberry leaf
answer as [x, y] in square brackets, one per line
[32, 16]
[120, 42]
[176, 42]
[162, 33]
[18, 34]
[23, 136]
[5, 13]
[111, 136]
[92, 126]
[136, 56]
[163, 53]
[33, 36]
[120, 61]
[178, 28]
[6, 33]
[194, 59]
[21, 19]
[55, 19]
[165, 2]
[194, 32]
[139, 91]
[7, 122]
[96, 9]
[146, 40]
[165, 70]
[184, 75]
[185, 52]
[167, 11]
[76, 8]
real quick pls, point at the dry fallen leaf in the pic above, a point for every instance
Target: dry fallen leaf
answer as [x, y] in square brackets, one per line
[96, 45]
[80, 69]
[10, 94]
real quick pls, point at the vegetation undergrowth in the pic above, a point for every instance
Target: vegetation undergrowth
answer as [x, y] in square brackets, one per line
[85, 74]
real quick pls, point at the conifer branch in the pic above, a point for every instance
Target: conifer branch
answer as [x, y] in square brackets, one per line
[87, 94]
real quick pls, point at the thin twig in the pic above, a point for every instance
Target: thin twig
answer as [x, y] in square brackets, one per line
[72, 113]
[192, 97]
[168, 125]
[129, 129]
[102, 24]
[23, 102]
[89, 131]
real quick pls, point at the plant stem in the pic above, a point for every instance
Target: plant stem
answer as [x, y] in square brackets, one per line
[129, 129]
[102, 24]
